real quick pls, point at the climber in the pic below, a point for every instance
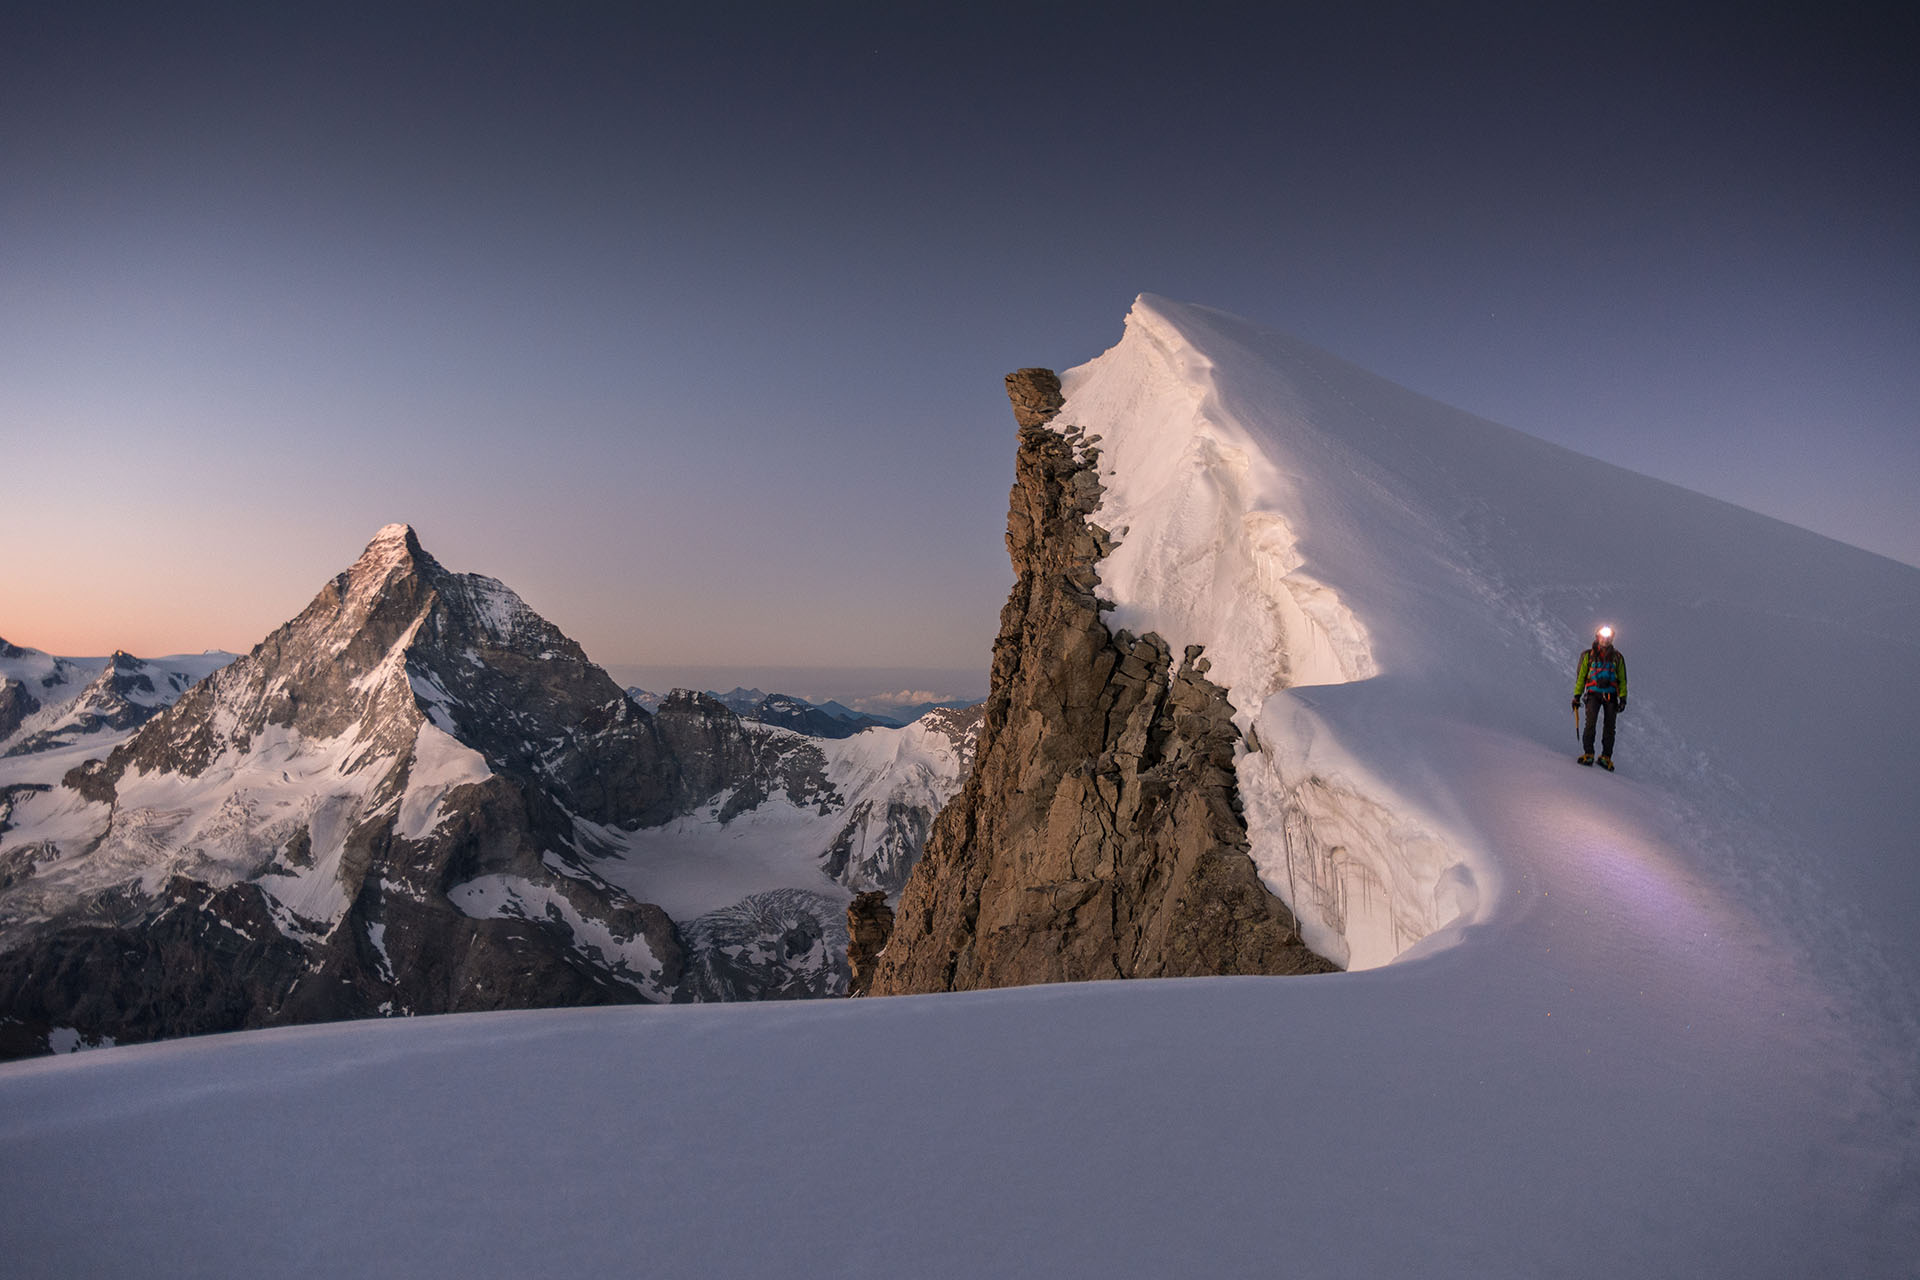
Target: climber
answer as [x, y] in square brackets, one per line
[1600, 682]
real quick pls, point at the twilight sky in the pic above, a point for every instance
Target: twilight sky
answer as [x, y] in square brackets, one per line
[690, 326]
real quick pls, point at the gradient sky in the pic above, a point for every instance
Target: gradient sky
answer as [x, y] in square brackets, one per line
[690, 326]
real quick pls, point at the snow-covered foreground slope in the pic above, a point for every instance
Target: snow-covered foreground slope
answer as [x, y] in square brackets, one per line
[1496, 1110]
[1661, 1023]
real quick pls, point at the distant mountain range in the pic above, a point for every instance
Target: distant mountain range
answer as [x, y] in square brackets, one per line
[49, 703]
[830, 719]
[420, 796]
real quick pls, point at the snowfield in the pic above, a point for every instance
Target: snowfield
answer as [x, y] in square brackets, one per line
[1655, 1023]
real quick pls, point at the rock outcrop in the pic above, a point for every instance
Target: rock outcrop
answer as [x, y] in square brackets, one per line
[869, 925]
[16, 704]
[1099, 834]
[1035, 395]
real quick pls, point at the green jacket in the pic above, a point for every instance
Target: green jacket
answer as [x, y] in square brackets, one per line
[1588, 673]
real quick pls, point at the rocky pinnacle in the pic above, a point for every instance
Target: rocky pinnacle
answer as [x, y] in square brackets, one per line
[869, 923]
[1099, 834]
[1035, 394]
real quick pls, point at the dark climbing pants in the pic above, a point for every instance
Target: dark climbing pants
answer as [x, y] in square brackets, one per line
[1597, 706]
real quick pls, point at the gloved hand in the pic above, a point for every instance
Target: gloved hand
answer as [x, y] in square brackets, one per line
[1623, 704]
[1576, 702]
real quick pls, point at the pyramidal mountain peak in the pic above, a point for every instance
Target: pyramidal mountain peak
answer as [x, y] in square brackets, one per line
[394, 550]
[398, 532]
[411, 731]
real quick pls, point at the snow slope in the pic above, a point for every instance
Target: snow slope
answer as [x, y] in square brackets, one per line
[1656, 1023]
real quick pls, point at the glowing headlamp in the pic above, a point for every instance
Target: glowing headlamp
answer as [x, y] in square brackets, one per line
[1605, 633]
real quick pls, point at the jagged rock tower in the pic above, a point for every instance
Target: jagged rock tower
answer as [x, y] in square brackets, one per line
[1100, 833]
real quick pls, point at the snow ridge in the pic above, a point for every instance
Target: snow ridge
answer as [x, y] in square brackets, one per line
[1195, 506]
[1199, 502]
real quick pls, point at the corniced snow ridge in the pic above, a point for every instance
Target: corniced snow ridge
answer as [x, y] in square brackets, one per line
[1202, 500]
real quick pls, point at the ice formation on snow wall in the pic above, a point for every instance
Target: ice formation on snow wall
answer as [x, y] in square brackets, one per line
[1197, 504]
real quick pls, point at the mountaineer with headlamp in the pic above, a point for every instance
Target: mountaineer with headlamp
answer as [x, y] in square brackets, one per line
[1600, 683]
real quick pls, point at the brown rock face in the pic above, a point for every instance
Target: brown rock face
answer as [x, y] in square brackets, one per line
[869, 924]
[16, 704]
[1035, 394]
[1099, 834]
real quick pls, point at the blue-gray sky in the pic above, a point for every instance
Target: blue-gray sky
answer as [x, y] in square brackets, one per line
[690, 325]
